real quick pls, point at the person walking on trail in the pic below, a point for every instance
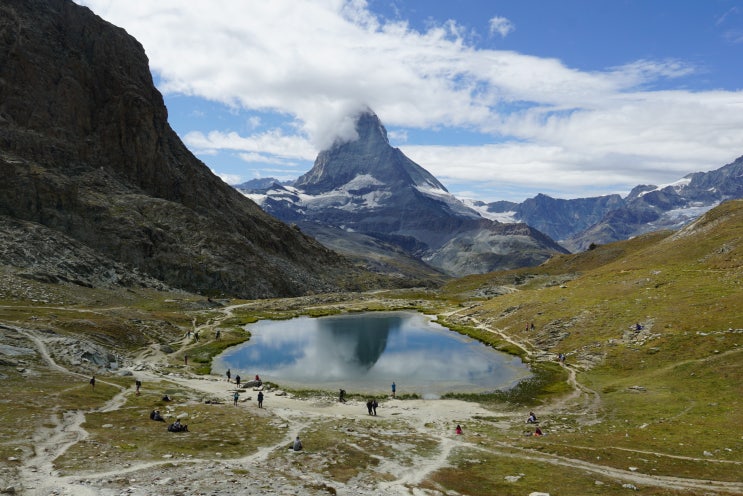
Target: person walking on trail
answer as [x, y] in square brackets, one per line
[138, 385]
[342, 396]
[260, 399]
[369, 406]
[235, 397]
[394, 388]
[374, 407]
[229, 374]
[92, 382]
[237, 380]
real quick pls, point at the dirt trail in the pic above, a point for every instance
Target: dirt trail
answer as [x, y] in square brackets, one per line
[424, 416]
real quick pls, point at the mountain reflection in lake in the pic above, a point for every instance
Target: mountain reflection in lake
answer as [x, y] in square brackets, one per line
[367, 352]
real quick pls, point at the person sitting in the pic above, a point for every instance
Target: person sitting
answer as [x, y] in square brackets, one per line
[158, 417]
[297, 445]
[166, 398]
[532, 418]
[177, 427]
[459, 429]
[538, 432]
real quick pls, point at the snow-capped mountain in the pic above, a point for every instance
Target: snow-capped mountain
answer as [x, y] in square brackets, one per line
[368, 187]
[578, 223]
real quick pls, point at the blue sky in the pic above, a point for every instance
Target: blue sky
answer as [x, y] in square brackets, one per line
[500, 100]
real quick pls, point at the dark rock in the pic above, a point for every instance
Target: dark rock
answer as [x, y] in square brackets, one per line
[87, 152]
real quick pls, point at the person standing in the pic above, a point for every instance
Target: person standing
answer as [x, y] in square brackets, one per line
[394, 388]
[260, 399]
[235, 397]
[229, 374]
[92, 382]
[374, 406]
[369, 406]
[138, 385]
[237, 380]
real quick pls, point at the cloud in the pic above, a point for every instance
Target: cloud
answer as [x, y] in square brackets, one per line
[229, 178]
[501, 25]
[318, 63]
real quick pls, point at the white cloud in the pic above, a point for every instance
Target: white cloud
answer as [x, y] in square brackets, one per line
[501, 25]
[229, 178]
[318, 63]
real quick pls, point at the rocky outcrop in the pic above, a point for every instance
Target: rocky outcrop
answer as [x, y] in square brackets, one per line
[86, 151]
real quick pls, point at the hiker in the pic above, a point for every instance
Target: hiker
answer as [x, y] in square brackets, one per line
[229, 374]
[196, 336]
[342, 396]
[138, 384]
[166, 398]
[458, 430]
[369, 406]
[177, 427]
[217, 334]
[532, 326]
[532, 418]
[235, 397]
[257, 378]
[394, 387]
[297, 445]
[538, 432]
[92, 382]
[638, 327]
[185, 359]
[237, 380]
[155, 415]
[374, 406]
[260, 399]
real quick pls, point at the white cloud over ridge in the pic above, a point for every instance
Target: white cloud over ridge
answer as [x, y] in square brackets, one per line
[321, 62]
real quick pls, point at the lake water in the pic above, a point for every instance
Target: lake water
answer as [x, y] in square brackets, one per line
[366, 352]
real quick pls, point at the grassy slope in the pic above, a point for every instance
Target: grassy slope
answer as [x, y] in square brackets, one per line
[686, 289]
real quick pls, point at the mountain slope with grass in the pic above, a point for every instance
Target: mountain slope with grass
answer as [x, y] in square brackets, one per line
[652, 409]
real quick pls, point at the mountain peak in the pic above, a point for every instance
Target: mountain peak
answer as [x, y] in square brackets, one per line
[368, 155]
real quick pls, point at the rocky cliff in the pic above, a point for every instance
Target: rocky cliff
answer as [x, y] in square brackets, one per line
[87, 152]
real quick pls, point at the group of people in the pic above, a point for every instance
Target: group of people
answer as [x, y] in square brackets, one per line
[238, 379]
[372, 405]
[532, 419]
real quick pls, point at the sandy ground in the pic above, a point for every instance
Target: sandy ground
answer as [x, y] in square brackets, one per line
[433, 419]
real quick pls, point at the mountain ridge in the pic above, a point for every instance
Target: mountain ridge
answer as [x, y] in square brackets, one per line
[86, 151]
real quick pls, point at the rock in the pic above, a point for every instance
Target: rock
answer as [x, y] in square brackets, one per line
[539, 494]
[279, 392]
[630, 486]
[83, 122]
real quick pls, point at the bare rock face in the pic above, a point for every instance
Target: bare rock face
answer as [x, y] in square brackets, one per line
[86, 151]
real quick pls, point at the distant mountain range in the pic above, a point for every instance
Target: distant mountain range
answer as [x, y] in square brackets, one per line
[578, 223]
[366, 193]
[368, 188]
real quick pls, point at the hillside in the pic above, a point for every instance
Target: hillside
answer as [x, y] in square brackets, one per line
[86, 152]
[651, 410]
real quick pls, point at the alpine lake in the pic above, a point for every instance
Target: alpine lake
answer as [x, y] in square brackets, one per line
[367, 352]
